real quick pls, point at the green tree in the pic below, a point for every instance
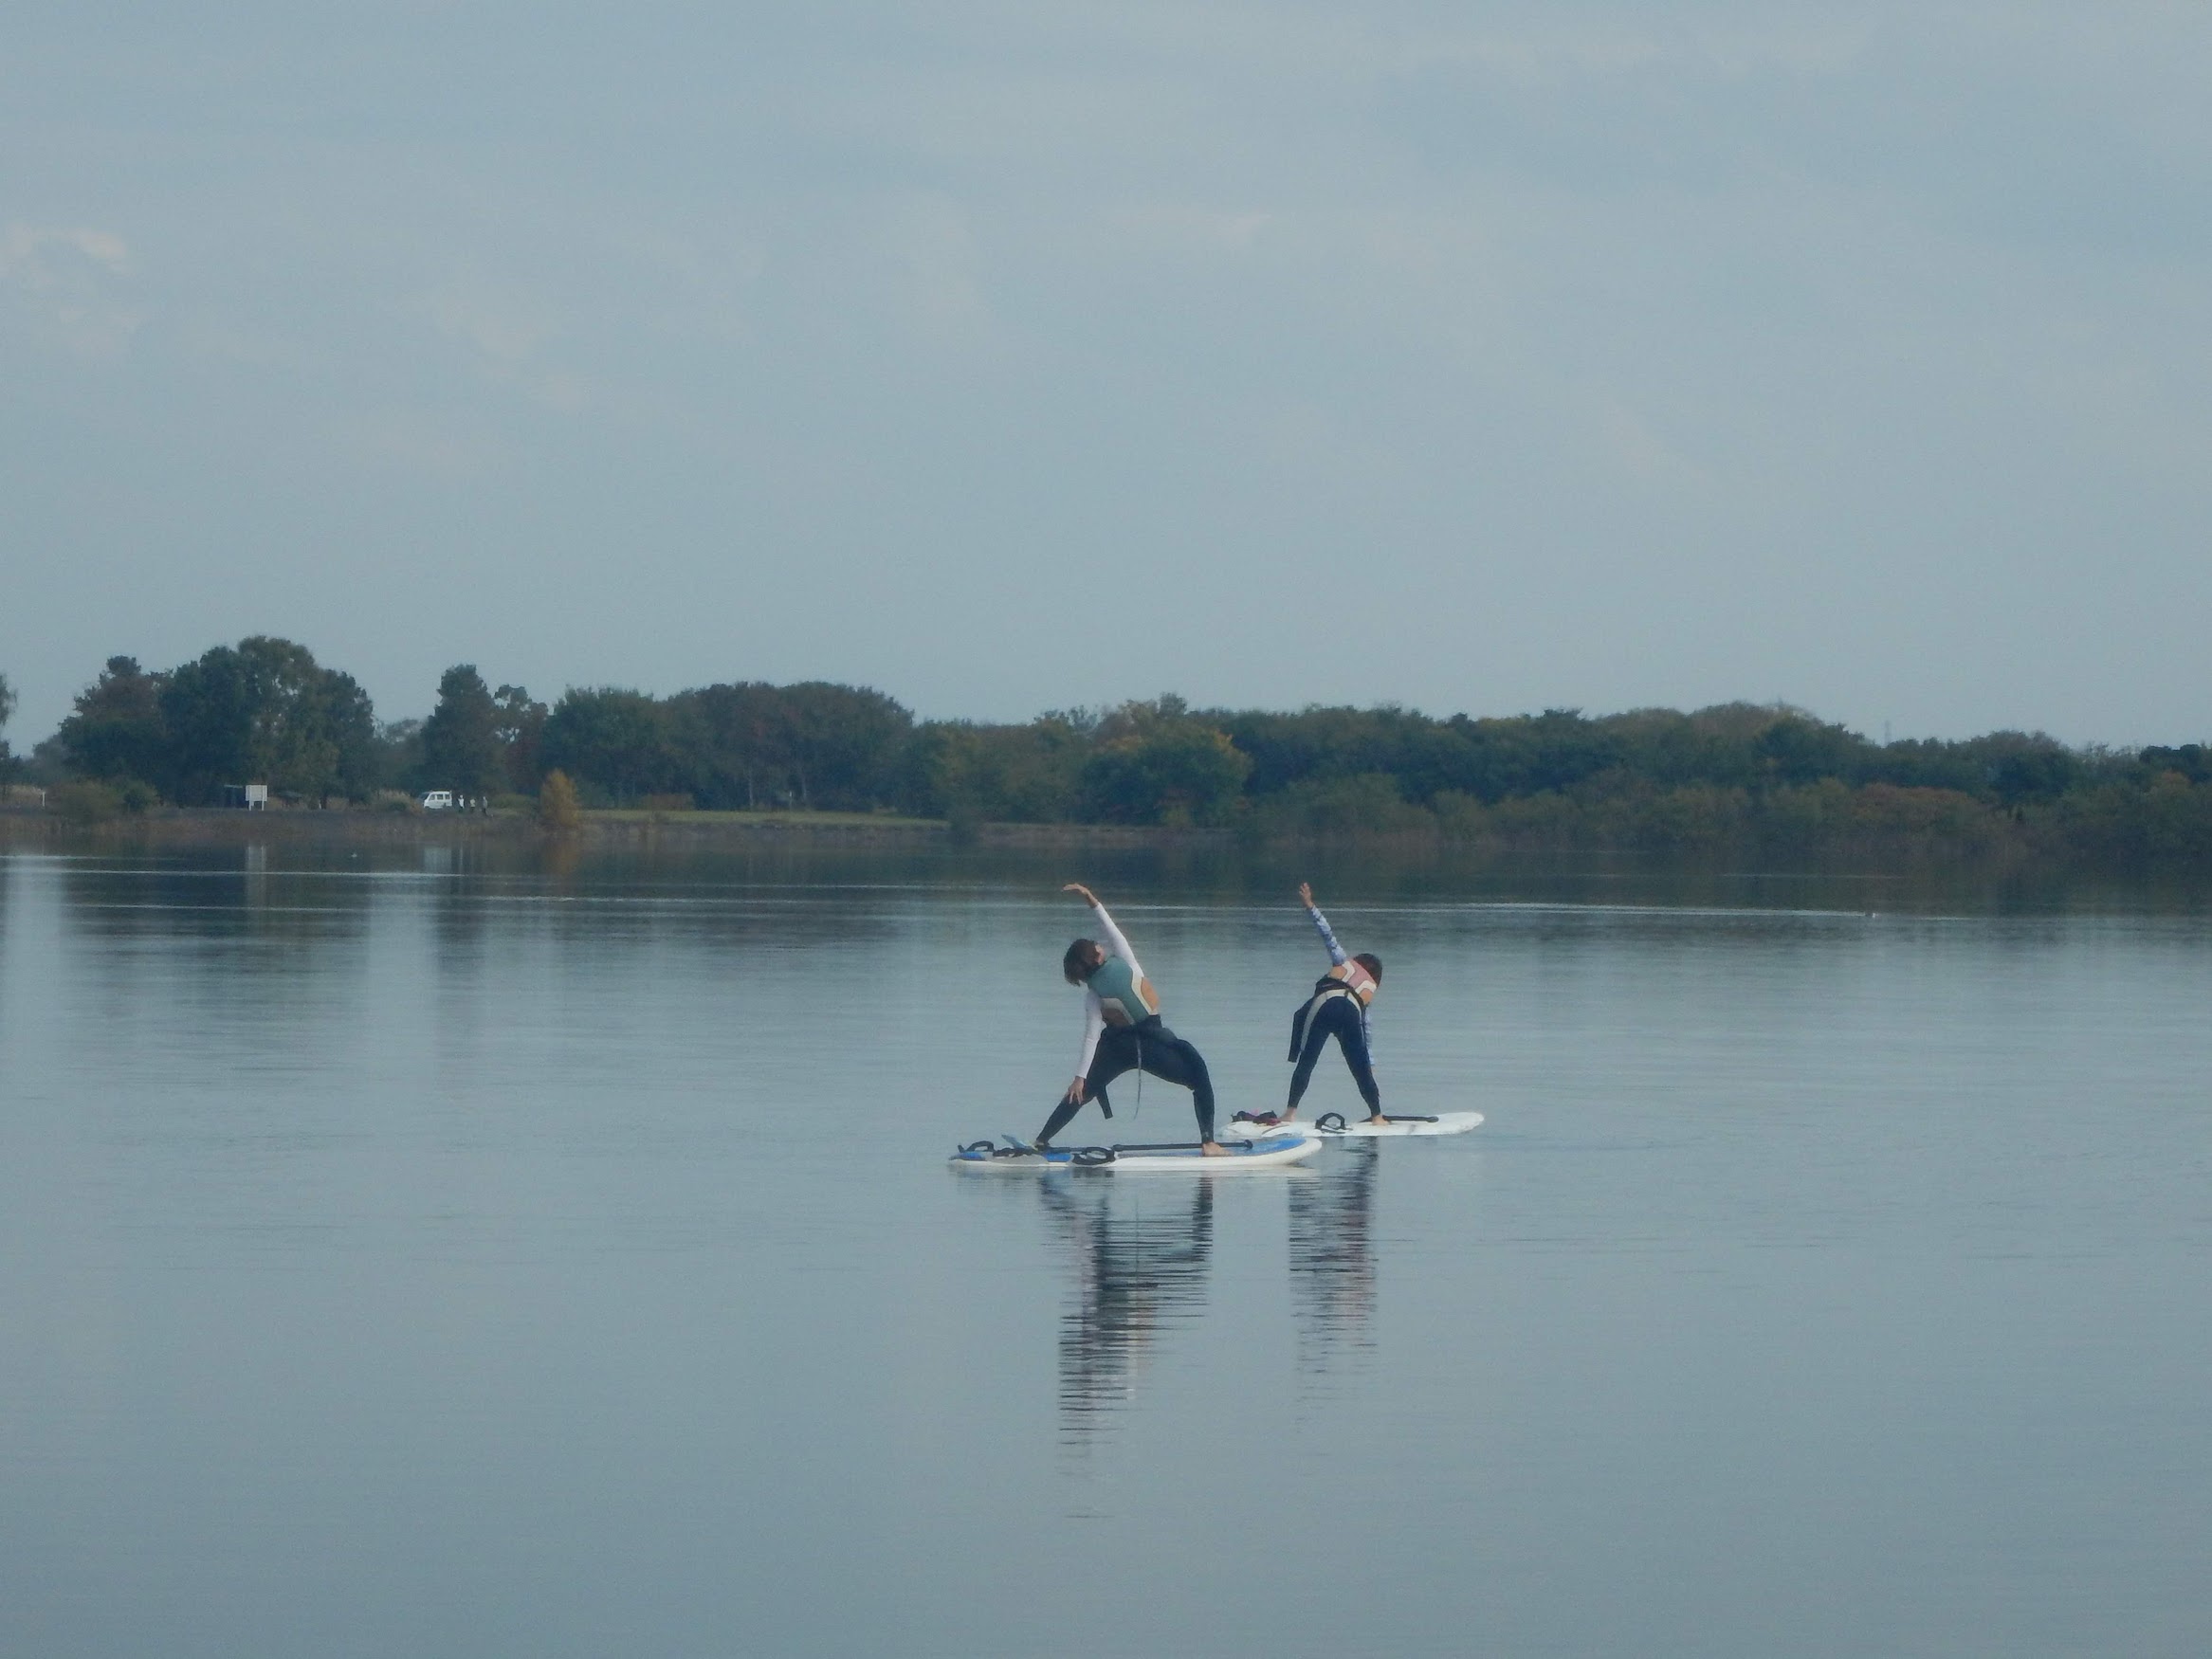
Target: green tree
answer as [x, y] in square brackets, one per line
[208, 710]
[1797, 749]
[845, 741]
[519, 728]
[814, 744]
[2192, 761]
[2026, 765]
[1161, 765]
[1344, 808]
[1023, 774]
[6, 708]
[733, 744]
[293, 738]
[612, 739]
[461, 744]
[116, 730]
[339, 707]
[265, 711]
[400, 753]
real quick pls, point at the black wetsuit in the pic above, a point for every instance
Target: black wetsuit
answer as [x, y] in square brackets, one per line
[1147, 1045]
[1336, 1015]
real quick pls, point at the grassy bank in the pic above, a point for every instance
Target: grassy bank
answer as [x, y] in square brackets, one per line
[1826, 825]
[196, 827]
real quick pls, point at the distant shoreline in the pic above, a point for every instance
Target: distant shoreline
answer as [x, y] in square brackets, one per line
[1990, 843]
[222, 827]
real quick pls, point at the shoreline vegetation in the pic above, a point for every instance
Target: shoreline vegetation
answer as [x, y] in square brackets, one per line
[156, 753]
[1870, 827]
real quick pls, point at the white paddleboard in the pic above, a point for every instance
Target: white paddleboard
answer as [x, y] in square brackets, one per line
[1272, 1151]
[1339, 1128]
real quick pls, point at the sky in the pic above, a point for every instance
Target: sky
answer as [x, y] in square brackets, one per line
[1014, 355]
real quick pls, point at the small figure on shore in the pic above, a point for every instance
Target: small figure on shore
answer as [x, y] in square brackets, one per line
[1122, 1031]
[1338, 1008]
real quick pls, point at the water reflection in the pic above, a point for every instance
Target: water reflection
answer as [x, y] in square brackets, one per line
[1141, 1254]
[238, 897]
[1332, 1257]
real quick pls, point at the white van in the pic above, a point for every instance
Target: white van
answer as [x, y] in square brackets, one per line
[438, 800]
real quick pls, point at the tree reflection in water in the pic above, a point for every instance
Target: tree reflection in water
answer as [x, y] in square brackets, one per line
[1141, 1253]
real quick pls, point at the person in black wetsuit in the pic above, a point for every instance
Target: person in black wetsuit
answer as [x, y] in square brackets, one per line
[1338, 1008]
[1122, 1031]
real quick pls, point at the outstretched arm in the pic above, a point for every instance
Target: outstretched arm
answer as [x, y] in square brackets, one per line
[1336, 952]
[1119, 945]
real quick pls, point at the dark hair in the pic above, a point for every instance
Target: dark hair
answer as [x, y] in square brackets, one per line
[1077, 964]
[1373, 965]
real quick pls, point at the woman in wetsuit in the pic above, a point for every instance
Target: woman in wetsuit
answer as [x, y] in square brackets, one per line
[1338, 1008]
[1121, 1030]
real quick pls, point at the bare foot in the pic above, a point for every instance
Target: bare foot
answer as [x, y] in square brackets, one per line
[1377, 1118]
[1211, 1149]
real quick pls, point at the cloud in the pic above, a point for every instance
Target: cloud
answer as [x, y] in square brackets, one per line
[939, 267]
[37, 257]
[1187, 225]
[506, 329]
[432, 445]
[66, 279]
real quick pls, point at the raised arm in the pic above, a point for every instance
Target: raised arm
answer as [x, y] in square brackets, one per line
[1093, 1011]
[1336, 952]
[1114, 940]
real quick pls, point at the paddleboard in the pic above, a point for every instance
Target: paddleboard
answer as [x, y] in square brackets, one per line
[1271, 1152]
[1337, 1126]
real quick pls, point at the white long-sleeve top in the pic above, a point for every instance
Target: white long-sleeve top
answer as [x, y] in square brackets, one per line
[1094, 1019]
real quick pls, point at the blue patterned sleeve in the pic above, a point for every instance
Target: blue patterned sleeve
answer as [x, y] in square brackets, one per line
[1336, 952]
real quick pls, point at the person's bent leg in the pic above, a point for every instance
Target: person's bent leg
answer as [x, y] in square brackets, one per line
[1061, 1115]
[1169, 1058]
[1201, 1093]
[1113, 1058]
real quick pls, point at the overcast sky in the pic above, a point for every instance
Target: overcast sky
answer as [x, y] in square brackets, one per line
[1014, 354]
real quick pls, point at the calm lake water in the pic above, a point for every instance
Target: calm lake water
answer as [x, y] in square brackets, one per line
[407, 1255]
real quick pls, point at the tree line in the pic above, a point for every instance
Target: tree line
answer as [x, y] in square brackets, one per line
[265, 711]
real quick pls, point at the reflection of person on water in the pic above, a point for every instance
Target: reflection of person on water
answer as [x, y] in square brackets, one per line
[1139, 1271]
[1332, 1256]
[1338, 1008]
[1121, 1030]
